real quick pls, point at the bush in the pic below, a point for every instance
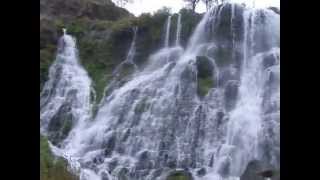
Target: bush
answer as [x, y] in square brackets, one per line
[52, 168]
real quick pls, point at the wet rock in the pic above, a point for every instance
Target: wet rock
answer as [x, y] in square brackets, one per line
[112, 164]
[227, 74]
[126, 135]
[170, 66]
[224, 168]
[172, 164]
[104, 176]
[227, 32]
[269, 60]
[275, 9]
[188, 74]
[186, 162]
[231, 94]
[205, 67]
[123, 174]
[98, 160]
[223, 56]
[205, 75]
[202, 172]
[258, 170]
[60, 124]
[144, 161]
[156, 173]
[211, 160]
[110, 145]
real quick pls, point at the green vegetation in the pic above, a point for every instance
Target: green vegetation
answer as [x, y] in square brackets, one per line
[179, 175]
[189, 21]
[205, 75]
[52, 168]
[66, 128]
[103, 41]
[46, 59]
[204, 85]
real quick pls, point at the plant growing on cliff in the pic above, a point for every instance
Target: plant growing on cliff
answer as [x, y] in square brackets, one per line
[52, 168]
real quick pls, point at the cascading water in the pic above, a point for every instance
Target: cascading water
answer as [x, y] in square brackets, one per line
[65, 100]
[157, 122]
[247, 137]
[131, 53]
[167, 34]
[178, 33]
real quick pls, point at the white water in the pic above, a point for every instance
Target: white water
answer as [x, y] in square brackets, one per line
[132, 50]
[245, 127]
[178, 33]
[68, 83]
[158, 113]
[131, 53]
[167, 33]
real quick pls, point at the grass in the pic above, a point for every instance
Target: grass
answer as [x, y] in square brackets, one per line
[52, 168]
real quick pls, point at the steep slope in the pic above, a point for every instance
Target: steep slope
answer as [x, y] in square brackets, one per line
[205, 108]
[104, 33]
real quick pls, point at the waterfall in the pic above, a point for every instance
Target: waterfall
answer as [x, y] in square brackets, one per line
[167, 33]
[178, 30]
[132, 50]
[65, 100]
[130, 55]
[156, 121]
[246, 127]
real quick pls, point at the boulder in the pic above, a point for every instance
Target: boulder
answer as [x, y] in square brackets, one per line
[104, 176]
[252, 170]
[202, 172]
[231, 94]
[275, 9]
[111, 143]
[258, 170]
[269, 60]
[144, 161]
[205, 75]
[61, 124]
[205, 67]
[123, 174]
[226, 74]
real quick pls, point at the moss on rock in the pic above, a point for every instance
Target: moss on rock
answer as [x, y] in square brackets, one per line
[205, 75]
[204, 86]
[52, 168]
[179, 175]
